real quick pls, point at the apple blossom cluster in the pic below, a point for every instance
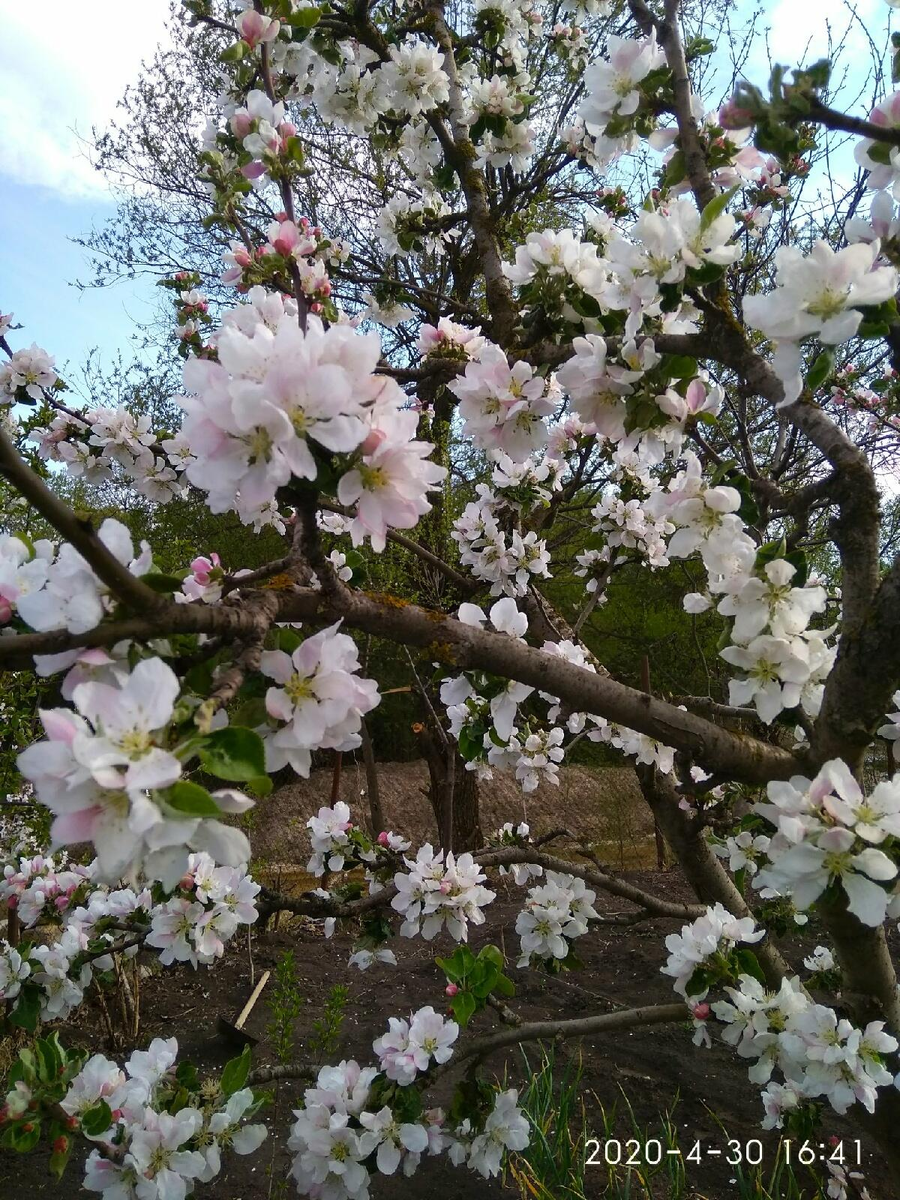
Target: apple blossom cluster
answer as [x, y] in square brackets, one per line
[508, 561]
[408, 226]
[626, 522]
[100, 442]
[209, 906]
[52, 587]
[785, 663]
[634, 406]
[26, 377]
[110, 772]
[31, 885]
[408, 1048]
[447, 339]
[440, 891]
[164, 1134]
[612, 84]
[879, 158]
[280, 403]
[555, 912]
[330, 834]
[743, 851]
[517, 835]
[818, 1054]
[295, 254]
[319, 700]
[505, 408]
[820, 294]
[192, 925]
[358, 1122]
[717, 932]
[827, 833]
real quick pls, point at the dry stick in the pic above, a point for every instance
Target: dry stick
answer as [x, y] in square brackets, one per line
[608, 883]
[627, 1018]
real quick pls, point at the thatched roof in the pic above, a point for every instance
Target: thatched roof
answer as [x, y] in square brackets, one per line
[601, 805]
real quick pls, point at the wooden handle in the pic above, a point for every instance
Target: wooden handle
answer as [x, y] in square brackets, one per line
[254, 996]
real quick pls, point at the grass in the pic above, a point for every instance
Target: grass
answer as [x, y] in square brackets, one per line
[574, 1157]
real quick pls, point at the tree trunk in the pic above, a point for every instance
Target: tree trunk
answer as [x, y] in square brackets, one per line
[453, 793]
[376, 817]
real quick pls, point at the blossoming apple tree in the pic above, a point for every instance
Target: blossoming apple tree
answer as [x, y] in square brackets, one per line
[681, 376]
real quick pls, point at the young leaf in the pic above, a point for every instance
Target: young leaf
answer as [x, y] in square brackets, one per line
[234, 753]
[97, 1119]
[715, 208]
[820, 370]
[191, 800]
[234, 1077]
[463, 1005]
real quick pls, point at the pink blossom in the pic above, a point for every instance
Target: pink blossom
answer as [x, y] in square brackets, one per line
[255, 28]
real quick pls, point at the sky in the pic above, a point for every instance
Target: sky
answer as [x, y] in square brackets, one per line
[65, 73]
[61, 74]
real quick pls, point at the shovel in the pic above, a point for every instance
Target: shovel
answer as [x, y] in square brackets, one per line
[235, 1031]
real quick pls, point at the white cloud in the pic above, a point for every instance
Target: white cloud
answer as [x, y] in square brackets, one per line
[63, 68]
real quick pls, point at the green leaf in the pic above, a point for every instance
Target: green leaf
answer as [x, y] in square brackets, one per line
[698, 983]
[463, 1006]
[187, 1076]
[233, 53]
[305, 18]
[260, 786]
[234, 753]
[458, 965]
[492, 954]
[820, 370]
[251, 713]
[234, 1077]
[200, 679]
[27, 1012]
[49, 1060]
[162, 583]
[715, 208]
[483, 986]
[97, 1119]
[505, 986]
[191, 800]
[748, 964]
[682, 366]
[675, 170]
[20, 1139]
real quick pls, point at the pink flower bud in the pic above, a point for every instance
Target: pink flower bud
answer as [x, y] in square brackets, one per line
[373, 441]
[254, 28]
[451, 989]
[241, 124]
[382, 838]
[5, 610]
[701, 1011]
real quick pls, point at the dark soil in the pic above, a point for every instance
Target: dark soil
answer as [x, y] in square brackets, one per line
[658, 1070]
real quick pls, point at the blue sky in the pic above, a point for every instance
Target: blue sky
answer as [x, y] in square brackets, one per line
[65, 73]
[61, 74]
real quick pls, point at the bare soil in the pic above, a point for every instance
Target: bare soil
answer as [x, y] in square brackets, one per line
[659, 1070]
